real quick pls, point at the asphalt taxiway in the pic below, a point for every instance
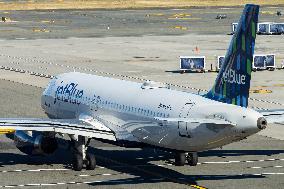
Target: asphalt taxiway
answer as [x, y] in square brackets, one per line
[147, 47]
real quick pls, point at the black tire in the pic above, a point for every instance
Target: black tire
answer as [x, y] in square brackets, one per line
[77, 162]
[192, 159]
[91, 162]
[180, 159]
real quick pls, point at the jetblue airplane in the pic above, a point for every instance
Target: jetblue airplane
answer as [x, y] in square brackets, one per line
[131, 114]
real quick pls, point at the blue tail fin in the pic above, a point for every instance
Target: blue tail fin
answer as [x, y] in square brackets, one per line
[233, 81]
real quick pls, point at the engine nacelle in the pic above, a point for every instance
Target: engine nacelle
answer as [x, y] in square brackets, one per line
[35, 143]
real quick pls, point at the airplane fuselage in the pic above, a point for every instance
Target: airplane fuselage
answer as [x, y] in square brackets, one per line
[133, 108]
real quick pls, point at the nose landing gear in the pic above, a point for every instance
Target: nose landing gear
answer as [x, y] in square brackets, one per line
[181, 157]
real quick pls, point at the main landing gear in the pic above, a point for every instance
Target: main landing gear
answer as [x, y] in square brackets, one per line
[181, 157]
[80, 155]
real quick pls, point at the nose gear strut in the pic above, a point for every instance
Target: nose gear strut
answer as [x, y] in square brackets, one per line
[80, 155]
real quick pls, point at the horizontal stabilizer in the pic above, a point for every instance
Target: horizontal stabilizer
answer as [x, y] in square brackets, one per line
[273, 116]
[197, 120]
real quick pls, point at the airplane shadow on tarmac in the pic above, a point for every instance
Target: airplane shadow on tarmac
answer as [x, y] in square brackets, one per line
[136, 162]
[146, 172]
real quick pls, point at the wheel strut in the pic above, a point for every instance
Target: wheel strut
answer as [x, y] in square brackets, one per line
[80, 155]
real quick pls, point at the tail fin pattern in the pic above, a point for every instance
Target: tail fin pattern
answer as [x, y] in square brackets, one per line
[233, 81]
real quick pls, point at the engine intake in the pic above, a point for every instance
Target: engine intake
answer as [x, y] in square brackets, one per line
[35, 143]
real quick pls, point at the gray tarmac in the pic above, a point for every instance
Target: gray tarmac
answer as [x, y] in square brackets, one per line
[133, 45]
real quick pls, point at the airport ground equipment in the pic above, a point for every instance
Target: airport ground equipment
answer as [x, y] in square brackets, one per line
[260, 62]
[277, 28]
[234, 27]
[264, 62]
[221, 16]
[220, 62]
[192, 63]
[265, 28]
[130, 114]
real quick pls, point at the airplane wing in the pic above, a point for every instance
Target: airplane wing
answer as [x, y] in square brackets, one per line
[273, 116]
[196, 120]
[84, 126]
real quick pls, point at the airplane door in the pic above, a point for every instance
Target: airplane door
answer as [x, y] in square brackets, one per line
[182, 126]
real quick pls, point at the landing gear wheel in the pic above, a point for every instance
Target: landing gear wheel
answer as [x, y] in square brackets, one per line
[77, 162]
[179, 159]
[192, 159]
[90, 162]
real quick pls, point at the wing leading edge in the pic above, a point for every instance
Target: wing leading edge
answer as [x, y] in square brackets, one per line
[63, 126]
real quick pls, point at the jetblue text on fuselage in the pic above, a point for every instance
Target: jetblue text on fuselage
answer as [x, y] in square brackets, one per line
[232, 77]
[68, 93]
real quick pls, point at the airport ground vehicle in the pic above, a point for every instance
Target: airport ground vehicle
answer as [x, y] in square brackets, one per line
[192, 63]
[265, 28]
[264, 62]
[260, 62]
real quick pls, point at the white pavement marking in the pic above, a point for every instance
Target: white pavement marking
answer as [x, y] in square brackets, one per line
[102, 174]
[33, 170]
[245, 161]
[70, 183]
[116, 181]
[276, 166]
[160, 165]
[272, 173]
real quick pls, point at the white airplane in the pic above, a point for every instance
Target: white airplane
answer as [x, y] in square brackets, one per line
[132, 114]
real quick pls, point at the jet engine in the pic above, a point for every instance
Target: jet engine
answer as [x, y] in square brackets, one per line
[35, 143]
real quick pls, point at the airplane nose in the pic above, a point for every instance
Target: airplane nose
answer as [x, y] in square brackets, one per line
[261, 123]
